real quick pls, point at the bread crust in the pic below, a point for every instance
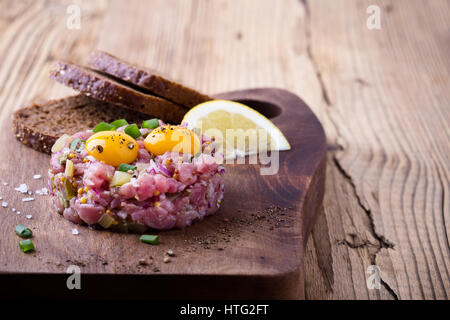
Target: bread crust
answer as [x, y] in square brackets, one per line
[100, 87]
[146, 79]
[39, 125]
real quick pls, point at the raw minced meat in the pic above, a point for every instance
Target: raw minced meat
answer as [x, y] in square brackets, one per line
[166, 191]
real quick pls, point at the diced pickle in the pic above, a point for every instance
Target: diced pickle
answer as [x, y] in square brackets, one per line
[60, 142]
[62, 159]
[64, 202]
[69, 169]
[120, 178]
[69, 191]
[106, 221]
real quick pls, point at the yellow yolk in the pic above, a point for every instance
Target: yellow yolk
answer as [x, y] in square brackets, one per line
[172, 138]
[112, 147]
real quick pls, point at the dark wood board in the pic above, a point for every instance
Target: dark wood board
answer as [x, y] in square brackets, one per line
[252, 248]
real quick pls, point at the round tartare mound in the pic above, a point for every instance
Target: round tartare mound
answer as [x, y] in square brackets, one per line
[162, 192]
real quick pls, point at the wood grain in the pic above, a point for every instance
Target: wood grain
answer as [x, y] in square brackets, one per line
[382, 96]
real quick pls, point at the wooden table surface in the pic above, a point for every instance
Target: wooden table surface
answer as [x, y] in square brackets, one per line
[381, 95]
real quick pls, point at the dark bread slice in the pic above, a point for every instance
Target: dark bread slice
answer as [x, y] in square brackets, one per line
[146, 79]
[101, 87]
[40, 125]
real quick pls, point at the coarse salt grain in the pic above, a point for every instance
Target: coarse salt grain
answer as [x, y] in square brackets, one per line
[4, 204]
[22, 188]
[27, 199]
[5, 183]
[13, 209]
[43, 191]
[74, 231]
[28, 216]
[37, 176]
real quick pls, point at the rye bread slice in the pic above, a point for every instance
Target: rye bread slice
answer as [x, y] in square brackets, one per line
[40, 125]
[101, 87]
[146, 79]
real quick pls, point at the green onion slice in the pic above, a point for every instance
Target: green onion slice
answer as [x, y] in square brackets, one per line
[23, 231]
[150, 124]
[133, 130]
[103, 126]
[126, 167]
[26, 245]
[77, 145]
[119, 123]
[150, 239]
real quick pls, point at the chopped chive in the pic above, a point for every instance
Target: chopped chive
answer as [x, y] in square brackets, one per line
[26, 245]
[23, 231]
[150, 124]
[103, 126]
[150, 239]
[119, 123]
[126, 167]
[77, 145]
[133, 130]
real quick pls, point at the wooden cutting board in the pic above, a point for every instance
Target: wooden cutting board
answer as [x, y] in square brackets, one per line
[252, 248]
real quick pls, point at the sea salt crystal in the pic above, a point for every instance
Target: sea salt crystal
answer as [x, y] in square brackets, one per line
[22, 188]
[5, 183]
[37, 176]
[43, 191]
[1, 198]
[74, 231]
[28, 216]
[13, 209]
[27, 199]
[4, 204]
[18, 212]
[30, 192]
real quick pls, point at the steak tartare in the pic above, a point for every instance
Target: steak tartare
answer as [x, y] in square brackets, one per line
[123, 178]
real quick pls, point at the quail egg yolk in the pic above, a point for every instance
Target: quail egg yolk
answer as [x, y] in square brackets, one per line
[112, 147]
[172, 138]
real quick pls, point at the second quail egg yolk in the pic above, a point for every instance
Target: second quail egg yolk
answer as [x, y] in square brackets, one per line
[112, 147]
[172, 138]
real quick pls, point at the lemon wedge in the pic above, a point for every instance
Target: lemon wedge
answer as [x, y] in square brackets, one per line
[238, 129]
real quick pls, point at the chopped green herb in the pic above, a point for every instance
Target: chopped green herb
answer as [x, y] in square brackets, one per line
[119, 123]
[150, 124]
[23, 231]
[126, 167]
[77, 145]
[133, 130]
[103, 126]
[26, 245]
[150, 239]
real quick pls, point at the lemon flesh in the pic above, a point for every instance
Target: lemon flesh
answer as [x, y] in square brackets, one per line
[238, 129]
